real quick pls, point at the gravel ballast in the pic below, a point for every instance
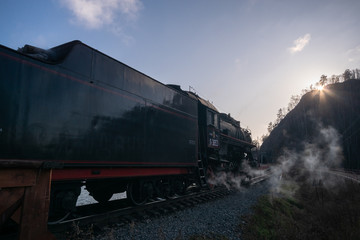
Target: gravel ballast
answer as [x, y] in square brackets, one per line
[220, 217]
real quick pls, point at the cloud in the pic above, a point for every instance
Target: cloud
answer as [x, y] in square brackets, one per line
[300, 43]
[95, 14]
[354, 54]
[119, 31]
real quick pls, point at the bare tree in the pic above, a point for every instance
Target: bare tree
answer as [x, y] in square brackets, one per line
[257, 142]
[334, 79]
[323, 80]
[357, 73]
[270, 127]
[347, 75]
[280, 115]
[294, 100]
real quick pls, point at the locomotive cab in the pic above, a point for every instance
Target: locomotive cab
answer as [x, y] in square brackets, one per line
[208, 132]
[212, 123]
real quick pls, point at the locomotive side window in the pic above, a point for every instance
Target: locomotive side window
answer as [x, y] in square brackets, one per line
[212, 118]
[216, 121]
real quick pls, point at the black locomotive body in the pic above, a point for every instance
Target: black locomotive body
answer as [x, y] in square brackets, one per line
[223, 144]
[110, 127]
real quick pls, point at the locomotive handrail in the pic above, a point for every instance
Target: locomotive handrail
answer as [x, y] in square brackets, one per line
[17, 163]
[237, 140]
[13, 163]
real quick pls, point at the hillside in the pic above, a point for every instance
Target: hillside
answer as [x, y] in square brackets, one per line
[337, 106]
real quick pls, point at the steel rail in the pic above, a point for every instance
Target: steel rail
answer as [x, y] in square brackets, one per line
[350, 175]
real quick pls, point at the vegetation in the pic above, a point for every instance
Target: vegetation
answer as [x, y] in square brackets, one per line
[78, 233]
[314, 212]
[295, 99]
[336, 106]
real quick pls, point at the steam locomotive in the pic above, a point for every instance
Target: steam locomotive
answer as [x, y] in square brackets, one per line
[105, 125]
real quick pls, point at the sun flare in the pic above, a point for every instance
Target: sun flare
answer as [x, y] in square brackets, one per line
[320, 88]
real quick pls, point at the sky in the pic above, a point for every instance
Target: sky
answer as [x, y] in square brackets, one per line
[247, 57]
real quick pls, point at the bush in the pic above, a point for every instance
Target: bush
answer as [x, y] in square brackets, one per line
[313, 213]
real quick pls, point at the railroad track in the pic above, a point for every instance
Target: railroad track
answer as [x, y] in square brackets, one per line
[120, 212]
[267, 174]
[346, 174]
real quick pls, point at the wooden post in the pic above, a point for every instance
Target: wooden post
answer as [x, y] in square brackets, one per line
[25, 197]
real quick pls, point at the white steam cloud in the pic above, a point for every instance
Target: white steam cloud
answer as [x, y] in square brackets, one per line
[313, 162]
[235, 180]
[300, 43]
[95, 14]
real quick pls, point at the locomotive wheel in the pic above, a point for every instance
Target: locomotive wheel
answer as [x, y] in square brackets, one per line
[163, 189]
[137, 192]
[63, 202]
[179, 186]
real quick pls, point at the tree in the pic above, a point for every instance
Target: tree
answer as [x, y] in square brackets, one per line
[347, 75]
[256, 142]
[294, 100]
[323, 80]
[270, 127]
[334, 79]
[357, 73]
[337, 80]
[280, 115]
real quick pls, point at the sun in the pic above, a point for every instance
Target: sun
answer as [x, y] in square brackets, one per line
[320, 88]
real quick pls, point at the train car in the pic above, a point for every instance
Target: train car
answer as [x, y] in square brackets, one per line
[109, 126]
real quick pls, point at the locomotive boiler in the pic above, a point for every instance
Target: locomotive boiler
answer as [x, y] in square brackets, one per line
[223, 144]
[109, 127]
